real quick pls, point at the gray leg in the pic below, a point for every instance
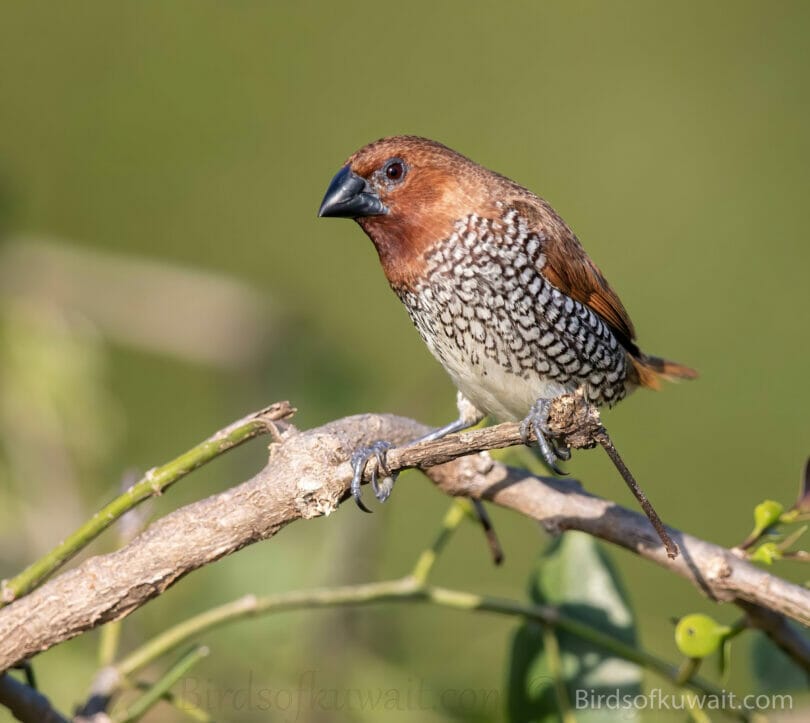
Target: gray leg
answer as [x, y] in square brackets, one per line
[468, 417]
[537, 421]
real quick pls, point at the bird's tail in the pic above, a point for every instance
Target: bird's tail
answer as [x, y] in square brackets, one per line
[650, 370]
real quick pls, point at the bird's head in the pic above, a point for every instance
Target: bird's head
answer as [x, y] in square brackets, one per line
[406, 193]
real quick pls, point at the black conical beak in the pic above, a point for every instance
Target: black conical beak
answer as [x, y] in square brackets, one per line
[349, 196]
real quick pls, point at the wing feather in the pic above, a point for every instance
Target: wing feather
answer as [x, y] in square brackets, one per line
[568, 267]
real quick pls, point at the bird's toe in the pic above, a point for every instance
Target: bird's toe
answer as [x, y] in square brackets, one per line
[537, 421]
[359, 461]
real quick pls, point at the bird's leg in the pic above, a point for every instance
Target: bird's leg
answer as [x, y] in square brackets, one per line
[537, 421]
[468, 416]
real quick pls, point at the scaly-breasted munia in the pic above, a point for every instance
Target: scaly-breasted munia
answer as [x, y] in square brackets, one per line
[497, 284]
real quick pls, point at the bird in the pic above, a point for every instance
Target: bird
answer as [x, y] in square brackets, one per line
[498, 286]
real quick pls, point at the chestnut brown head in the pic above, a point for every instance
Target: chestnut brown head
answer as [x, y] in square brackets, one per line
[406, 193]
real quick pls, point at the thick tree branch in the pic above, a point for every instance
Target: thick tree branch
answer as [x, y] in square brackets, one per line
[308, 475]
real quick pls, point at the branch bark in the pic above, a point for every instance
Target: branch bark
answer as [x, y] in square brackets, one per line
[308, 475]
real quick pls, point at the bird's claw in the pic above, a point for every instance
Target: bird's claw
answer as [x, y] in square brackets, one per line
[563, 453]
[360, 459]
[537, 421]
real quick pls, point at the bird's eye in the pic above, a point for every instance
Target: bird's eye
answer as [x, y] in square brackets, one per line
[394, 170]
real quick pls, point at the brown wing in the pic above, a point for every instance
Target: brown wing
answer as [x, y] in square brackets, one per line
[572, 272]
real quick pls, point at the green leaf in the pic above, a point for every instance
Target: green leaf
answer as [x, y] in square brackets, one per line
[774, 671]
[767, 552]
[698, 635]
[576, 575]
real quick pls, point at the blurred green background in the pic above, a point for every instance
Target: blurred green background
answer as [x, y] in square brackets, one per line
[163, 272]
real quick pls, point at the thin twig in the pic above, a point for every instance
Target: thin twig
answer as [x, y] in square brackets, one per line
[401, 590]
[607, 444]
[158, 690]
[25, 703]
[489, 532]
[427, 559]
[184, 705]
[152, 483]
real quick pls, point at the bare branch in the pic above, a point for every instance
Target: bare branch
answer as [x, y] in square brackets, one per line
[308, 476]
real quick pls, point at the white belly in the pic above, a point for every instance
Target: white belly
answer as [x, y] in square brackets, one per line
[493, 389]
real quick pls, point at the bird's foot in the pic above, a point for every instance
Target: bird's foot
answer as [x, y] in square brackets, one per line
[537, 421]
[563, 453]
[360, 459]
[468, 416]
